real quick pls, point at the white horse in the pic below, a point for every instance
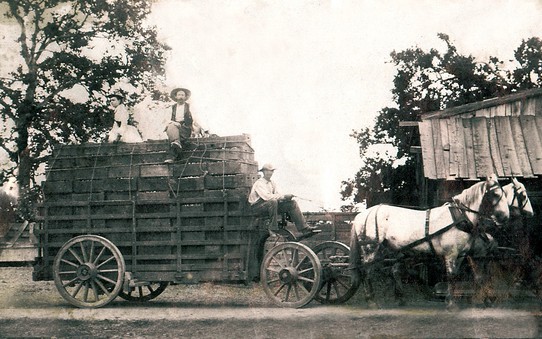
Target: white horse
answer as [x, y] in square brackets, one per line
[446, 231]
[517, 198]
[486, 246]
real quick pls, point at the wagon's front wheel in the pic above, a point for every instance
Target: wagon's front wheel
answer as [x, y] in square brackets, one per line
[338, 281]
[89, 271]
[291, 274]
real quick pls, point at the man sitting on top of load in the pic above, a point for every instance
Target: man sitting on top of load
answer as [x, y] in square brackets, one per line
[182, 125]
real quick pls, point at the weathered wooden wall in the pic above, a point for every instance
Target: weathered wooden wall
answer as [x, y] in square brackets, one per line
[501, 135]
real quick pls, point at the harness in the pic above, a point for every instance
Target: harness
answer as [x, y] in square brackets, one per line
[458, 216]
[517, 195]
[459, 220]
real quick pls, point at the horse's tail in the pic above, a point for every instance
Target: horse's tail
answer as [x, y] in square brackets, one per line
[358, 228]
[355, 251]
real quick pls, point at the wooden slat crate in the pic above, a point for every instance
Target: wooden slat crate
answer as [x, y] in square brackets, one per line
[183, 222]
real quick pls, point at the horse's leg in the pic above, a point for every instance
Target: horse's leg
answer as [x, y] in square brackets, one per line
[361, 266]
[369, 269]
[479, 273]
[397, 273]
[451, 278]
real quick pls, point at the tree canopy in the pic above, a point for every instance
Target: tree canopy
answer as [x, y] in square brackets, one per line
[71, 54]
[428, 81]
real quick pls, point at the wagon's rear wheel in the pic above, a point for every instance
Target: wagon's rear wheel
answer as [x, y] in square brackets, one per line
[338, 282]
[291, 274]
[89, 271]
[145, 292]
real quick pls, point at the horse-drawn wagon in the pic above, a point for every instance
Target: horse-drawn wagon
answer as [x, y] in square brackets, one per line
[118, 221]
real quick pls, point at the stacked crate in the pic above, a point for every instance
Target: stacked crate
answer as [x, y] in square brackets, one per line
[335, 226]
[183, 222]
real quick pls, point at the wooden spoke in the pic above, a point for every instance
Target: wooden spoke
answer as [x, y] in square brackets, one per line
[100, 282]
[338, 283]
[291, 274]
[145, 293]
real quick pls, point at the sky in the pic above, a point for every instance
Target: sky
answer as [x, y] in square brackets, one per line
[299, 76]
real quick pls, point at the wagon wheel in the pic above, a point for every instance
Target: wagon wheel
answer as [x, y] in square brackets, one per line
[144, 293]
[338, 283]
[291, 274]
[89, 271]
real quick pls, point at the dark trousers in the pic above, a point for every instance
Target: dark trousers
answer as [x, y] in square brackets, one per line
[272, 208]
[178, 134]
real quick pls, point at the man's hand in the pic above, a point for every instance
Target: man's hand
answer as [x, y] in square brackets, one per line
[287, 197]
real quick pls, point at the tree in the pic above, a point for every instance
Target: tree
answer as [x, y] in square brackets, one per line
[72, 53]
[424, 82]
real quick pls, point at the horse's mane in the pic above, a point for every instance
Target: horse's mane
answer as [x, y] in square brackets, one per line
[471, 194]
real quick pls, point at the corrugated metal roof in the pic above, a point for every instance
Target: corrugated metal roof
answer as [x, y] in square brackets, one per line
[501, 135]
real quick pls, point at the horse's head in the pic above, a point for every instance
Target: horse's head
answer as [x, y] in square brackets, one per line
[494, 201]
[518, 201]
[485, 199]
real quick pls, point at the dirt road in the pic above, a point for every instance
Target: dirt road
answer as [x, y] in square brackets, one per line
[35, 309]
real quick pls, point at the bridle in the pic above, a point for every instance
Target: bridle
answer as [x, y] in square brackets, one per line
[482, 212]
[520, 193]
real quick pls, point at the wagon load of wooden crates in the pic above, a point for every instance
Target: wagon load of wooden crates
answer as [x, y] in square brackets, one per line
[184, 222]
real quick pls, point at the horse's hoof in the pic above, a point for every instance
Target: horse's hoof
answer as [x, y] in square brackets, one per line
[372, 305]
[452, 307]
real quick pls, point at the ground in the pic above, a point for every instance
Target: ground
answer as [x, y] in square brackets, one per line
[35, 309]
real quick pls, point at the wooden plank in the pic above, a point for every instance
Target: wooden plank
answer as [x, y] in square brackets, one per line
[437, 143]
[455, 148]
[533, 142]
[428, 152]
[60, 174]
[160, 170]
[164, 183]
[469, 148]
[226, 154]
[483, 112]
[494, 148]
[538, 122]
[65, 186]
[461, 155]
[230, 181]
[520, 148]
[105, 185]
[146, 158]
[509, 158]
[214, 168]
[472, 107]
[538, 106]
[482, 151]
[445, 142]
[514, 108]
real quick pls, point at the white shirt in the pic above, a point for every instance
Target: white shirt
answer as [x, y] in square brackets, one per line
[179, 114]
[263, 189]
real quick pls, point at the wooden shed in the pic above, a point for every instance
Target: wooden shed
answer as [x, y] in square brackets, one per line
[501, 135]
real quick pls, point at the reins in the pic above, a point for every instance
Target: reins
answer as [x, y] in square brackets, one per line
[429, 236]
[466, 208]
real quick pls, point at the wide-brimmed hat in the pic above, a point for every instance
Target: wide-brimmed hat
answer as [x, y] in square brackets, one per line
[174, 93]
[117, 95]
[267, 167]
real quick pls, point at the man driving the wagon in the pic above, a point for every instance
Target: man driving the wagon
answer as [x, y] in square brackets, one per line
[265, 199]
